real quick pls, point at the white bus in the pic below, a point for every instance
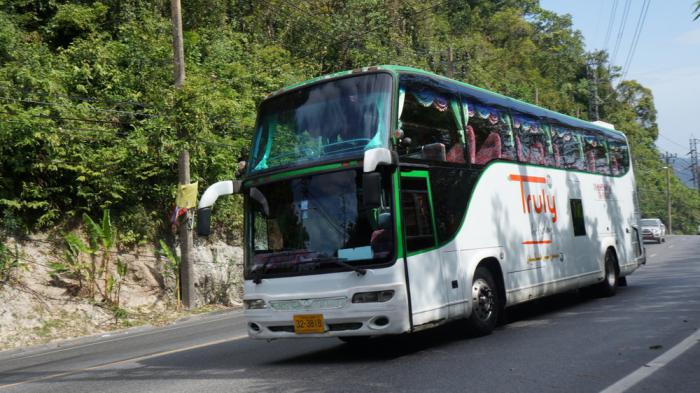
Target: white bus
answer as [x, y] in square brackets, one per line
[388, 199]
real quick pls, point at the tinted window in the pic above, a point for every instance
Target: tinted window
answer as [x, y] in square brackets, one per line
[309, 222]
[568, 145]
[430, 117]
[492, 132]
[619, 156]
[450, 189]
[596, 153]
[577, 217]
[531, 139]
[417, 215]
[332, 119]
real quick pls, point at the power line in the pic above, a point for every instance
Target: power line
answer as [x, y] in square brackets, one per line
[635, 38]
[611, 23]
[621, 31]
[671, 140]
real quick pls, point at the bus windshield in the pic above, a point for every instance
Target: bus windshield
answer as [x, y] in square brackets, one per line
[330, 120]
[317, 223]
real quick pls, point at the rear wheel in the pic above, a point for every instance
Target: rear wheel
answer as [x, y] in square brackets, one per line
[486, 305]
[608, 287]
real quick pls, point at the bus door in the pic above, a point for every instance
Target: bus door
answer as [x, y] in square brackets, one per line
[425, 278]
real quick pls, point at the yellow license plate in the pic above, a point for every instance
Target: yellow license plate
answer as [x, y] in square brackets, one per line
[308, 323]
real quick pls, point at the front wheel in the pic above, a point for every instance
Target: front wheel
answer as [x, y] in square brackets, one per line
[486, 305]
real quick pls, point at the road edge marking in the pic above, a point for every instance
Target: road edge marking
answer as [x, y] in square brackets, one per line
[651, 367]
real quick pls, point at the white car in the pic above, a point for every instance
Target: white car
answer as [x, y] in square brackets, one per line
[653, 229]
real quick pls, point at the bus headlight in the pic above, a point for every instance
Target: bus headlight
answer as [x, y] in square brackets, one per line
[254, 304]
[373, 297]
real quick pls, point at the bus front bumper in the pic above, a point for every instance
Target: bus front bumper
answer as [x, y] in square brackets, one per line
[350, 319]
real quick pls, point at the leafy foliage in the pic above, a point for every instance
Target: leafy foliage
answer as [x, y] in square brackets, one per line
[172, 268]
[89, 119]
[9, 263]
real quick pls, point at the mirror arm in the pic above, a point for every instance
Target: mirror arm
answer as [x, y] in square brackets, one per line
[226, 187]
[211, 194]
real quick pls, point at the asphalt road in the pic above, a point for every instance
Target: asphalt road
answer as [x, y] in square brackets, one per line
[642, 340]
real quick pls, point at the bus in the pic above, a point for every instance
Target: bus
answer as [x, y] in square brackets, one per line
[387, 200]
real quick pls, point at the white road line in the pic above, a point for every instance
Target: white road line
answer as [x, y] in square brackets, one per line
[652, 255]
[118, 362]
[653, 366]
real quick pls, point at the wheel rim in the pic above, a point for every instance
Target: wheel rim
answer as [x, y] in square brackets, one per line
[609, 270]
[483, 299]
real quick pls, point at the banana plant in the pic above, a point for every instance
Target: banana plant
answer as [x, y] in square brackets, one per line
[72, 263]
[172, 268]
[102, 237]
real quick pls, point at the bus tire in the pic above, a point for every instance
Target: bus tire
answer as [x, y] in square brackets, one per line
[485, 302]
[608, 287]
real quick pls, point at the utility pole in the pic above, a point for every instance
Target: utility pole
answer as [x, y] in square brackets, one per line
[668, 157]
[450, 62]
[183, 175]
[694, 170]
[593, 100]
[178, 49]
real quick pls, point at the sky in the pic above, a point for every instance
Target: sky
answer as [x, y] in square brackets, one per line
[667, 58]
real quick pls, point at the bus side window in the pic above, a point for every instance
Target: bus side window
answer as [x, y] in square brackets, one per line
[596, 154]
[417, 214]
[577, 217]
[429, 117]
[492, 131]
[602, 159]
[571, 149]
[619, 158]
[531, 139]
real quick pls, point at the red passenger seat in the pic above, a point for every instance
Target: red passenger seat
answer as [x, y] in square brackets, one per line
[471, 144]
[456, 153]
[557, 156]
[590, 161]
[490, 149]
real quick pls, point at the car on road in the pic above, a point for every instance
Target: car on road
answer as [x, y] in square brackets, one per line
[653, 229]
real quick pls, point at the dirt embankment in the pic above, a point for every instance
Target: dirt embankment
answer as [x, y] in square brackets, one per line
[39, 306]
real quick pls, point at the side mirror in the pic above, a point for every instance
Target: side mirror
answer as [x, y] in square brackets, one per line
[204, 221]
[376, 157]
[371, 190]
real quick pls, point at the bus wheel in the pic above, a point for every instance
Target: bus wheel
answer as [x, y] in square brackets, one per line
[485, 302]
[608, 287]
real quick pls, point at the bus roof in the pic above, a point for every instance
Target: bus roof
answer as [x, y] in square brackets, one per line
[479, 93]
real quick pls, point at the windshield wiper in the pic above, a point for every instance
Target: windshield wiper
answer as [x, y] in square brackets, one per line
[259, 272]
[337, 261]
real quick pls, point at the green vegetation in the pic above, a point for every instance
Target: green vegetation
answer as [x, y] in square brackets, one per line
[102, 239]
[89, 119]
[172, 269]
[9, 263]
